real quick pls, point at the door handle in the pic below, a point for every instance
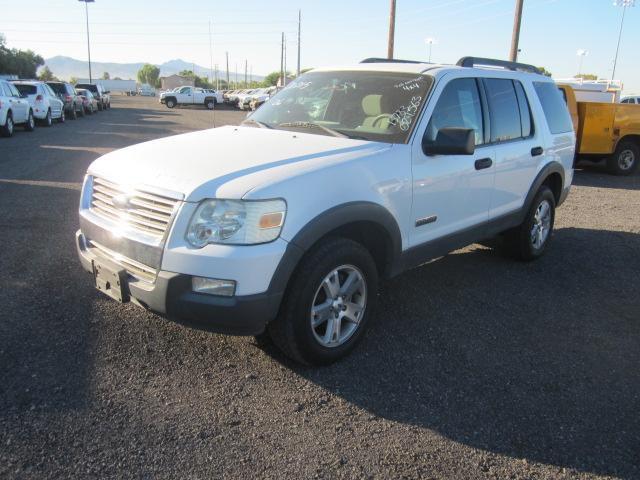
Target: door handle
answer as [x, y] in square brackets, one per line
[483, 163]
[535, 151]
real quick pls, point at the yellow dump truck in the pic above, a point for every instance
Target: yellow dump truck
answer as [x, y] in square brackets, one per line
[606, 131]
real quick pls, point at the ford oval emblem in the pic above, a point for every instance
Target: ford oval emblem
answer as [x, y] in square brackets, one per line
[121, 202]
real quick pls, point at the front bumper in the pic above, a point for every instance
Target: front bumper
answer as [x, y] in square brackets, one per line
[171, 296]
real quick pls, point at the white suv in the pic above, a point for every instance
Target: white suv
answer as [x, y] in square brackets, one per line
[14, 109]
[347, 175]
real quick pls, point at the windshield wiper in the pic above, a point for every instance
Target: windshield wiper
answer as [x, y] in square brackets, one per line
[256, 122]
[328, 130]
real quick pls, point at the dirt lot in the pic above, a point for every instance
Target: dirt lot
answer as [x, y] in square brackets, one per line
[475, 366]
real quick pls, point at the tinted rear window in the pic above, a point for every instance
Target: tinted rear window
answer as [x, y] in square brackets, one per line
[26, 89]
[503, 109]
[58, 87]
[554, 107]
[91, 88]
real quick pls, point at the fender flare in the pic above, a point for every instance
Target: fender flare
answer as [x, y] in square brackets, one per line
[548, 169]
[328, 221]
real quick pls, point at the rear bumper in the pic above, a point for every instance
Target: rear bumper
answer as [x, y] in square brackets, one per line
[171, 296]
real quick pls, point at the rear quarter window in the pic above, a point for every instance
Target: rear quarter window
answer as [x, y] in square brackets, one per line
[555, 109]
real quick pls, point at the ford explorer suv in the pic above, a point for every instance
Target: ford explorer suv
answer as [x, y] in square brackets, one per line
[286, 223]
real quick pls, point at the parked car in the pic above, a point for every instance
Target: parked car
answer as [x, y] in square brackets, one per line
[45, 104]
[217, 95]
[66, 93]
[99, 92]
[245, 104]
[243, 98]
[258, 99]
[14, 110]
[90, 103]
[346, 176]
[633, 100]
[188, 96]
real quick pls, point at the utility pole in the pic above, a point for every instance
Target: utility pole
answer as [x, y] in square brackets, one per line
[86, 9]
[228, 85]
[236, 70]
[299, 24]
[515, 38]
[217, 79]
[285, 61]
[282, 61]
[392, 29]
[245, 74]
[210, 55]
[251, 76]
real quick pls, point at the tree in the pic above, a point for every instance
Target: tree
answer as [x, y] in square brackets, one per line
[587, 76]
[46, 75]
[545, 71]
[106, 76]
[73, 80]
[149, 74]
[23, 63]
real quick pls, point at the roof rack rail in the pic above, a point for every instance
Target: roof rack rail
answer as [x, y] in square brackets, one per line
[388, 60]
[492, 62]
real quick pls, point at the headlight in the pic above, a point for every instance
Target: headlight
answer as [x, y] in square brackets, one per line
[236, 222]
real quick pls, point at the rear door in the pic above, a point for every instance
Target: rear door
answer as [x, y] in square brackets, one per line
[451, 193]
[518, 144]
[19, 105]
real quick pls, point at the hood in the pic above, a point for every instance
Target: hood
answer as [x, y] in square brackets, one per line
[225, 162]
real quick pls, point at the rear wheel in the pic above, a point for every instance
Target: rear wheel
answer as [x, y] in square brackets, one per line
[529, 240]
[74, 113]
[30, 125]
[100, 107]
[63, 117]
[81, 112]
[625, 159]
[328, 304]
[7, 129]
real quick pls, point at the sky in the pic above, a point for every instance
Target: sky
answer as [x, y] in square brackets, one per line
[333, 32]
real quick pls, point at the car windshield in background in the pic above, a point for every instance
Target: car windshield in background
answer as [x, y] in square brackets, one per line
[26, 89]
[380, 106]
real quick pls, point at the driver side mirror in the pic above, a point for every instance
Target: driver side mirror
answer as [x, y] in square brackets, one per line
[451, 141]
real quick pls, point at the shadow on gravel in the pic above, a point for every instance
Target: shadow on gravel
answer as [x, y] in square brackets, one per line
[596, 175]
[531, 360]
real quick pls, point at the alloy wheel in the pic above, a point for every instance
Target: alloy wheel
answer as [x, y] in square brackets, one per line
[541, 224]
[338, 306]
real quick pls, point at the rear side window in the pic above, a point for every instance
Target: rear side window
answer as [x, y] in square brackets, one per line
[57, 87]
[458, 106]
[504, 110]
[554, 107]
[26, 89]
[525, 111]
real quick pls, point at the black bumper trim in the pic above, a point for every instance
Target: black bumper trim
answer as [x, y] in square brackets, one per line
[172, 297]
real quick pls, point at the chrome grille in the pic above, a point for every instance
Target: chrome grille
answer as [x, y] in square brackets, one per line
[146, 212]
[137, 270]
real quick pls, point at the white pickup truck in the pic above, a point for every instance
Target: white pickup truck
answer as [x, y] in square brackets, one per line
[189, 96]
[348, 175]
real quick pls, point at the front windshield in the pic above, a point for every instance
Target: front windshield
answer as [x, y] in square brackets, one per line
[378, 106]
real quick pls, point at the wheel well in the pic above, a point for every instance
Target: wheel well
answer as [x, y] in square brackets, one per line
[372, 236]
[554, 182]
[631, 138]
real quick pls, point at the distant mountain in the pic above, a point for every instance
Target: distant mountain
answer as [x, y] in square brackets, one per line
[67, 67]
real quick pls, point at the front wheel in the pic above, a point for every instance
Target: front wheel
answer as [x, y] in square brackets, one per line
[625, 159]
[63, 117]
[170, 103]
[7, 129]
[529, 240]
[48, 120]
[210, 104]
[328, 304]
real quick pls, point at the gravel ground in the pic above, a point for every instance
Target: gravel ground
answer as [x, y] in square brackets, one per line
[475, 366]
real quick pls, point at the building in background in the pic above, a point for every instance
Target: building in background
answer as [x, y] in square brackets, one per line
[113, 86]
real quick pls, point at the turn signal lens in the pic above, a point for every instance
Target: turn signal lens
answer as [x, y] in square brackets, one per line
[271, 220]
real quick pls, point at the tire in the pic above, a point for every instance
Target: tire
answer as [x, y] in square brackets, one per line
[7, 129]
[100, 106]
[90, 110]
[81, 112]
[530, 240]
[327, 268]
[210, 104]
[170, 103]
[74, 114]
[625, 159]
[63, 117]
[30, 125]
[48, 121]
